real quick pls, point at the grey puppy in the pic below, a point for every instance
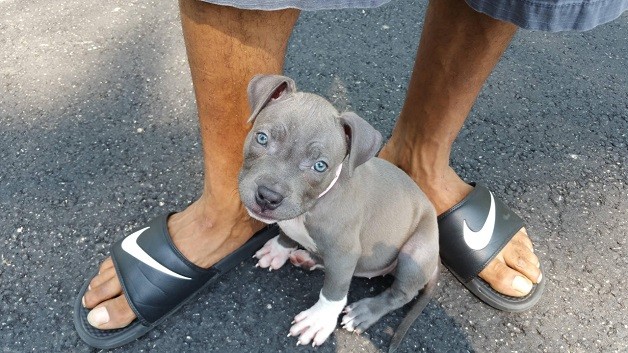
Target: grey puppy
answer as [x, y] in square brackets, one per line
[313, 171]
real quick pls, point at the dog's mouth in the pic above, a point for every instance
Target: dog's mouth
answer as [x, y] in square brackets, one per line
[261, 215]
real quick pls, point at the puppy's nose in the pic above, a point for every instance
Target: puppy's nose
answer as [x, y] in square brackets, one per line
[267, 198]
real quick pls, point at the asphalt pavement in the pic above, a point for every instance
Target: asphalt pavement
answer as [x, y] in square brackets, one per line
[98, 134]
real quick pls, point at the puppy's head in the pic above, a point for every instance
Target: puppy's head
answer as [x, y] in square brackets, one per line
[297, 149]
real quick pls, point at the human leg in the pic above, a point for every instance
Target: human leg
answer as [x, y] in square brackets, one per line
[458, 50]
[225, 48]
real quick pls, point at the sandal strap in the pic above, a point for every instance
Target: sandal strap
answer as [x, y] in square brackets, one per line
[155, 277]
[474, 231]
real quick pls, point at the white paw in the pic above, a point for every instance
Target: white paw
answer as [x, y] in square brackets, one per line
[273, 255]
[318, 322]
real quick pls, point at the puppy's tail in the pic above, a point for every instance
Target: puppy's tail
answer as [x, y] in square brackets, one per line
[418, 306]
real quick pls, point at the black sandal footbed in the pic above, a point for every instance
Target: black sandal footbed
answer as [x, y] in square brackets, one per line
[483, 291]
[465, 263]
[107, 339]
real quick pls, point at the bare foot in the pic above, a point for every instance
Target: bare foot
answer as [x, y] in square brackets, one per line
[203, 234]
[514, 270]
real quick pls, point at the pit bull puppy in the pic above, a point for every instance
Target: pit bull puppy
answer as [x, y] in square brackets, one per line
[313, 171]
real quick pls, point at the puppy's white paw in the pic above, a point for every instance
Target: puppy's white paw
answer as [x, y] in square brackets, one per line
[273, 255]
[318, 322]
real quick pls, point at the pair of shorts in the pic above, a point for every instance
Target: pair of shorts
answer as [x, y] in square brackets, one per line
[542, 15]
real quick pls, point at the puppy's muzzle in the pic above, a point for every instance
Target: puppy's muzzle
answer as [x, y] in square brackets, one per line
[268, 199]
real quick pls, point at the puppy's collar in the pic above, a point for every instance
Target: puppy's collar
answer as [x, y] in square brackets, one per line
[338, 170]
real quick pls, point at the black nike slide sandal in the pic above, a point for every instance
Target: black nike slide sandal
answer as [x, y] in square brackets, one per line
[472, 233]
[157, 280]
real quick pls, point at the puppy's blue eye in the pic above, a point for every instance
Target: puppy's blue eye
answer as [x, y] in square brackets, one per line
[320, 166]
[261, 138]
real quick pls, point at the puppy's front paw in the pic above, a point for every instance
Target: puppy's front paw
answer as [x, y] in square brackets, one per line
[318, 322]
[273, 255]
[303, 258]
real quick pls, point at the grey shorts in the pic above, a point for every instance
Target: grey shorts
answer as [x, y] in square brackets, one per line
[544, 15]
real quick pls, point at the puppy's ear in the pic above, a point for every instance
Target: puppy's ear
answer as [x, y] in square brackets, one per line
[265, 88]
[362, 139]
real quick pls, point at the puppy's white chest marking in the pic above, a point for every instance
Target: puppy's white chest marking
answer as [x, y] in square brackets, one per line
[295, 229]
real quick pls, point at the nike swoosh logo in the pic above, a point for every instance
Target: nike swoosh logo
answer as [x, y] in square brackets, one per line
[129, 244]
[480, 239]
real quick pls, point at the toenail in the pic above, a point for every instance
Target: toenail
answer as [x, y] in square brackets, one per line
[98, 316]
[83, 301]
[521, 285]
[538, 280]
[538, 265]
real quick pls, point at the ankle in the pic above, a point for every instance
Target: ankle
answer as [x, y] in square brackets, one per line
[428, 165]
[420, 158]
[444, 190]
[207, 231]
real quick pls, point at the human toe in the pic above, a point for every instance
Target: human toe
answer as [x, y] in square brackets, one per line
[102, 292]
[107, 264]
[523, 261]
[506, 280]
[521, 238]
[111, 314]
[102, 277]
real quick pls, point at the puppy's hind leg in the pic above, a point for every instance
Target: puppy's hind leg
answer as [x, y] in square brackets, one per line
[416, 268]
